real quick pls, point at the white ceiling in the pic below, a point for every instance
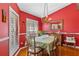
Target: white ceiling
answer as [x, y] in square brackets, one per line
[37, 9]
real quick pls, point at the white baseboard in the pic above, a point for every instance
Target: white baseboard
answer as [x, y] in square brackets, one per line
[77, 46]
[72, 46]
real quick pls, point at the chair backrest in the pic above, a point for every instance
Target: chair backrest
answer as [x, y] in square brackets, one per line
[31, 39]
[31, 43]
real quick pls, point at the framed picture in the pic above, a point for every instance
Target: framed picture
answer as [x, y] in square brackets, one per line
[57, 25]
[3, 15]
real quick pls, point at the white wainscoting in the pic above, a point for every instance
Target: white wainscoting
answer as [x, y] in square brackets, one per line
[4, 39]
[22, 33]
[68, 33]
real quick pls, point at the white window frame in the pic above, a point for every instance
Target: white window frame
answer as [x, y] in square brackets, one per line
[27, 25]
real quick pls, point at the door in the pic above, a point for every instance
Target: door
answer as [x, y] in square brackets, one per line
[13, 31]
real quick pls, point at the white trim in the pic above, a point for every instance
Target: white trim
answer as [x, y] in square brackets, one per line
[68, 33]
[77, 47]
[22, 33]
[3, 39]
[17, 47]
[20, 50]
[11, 9]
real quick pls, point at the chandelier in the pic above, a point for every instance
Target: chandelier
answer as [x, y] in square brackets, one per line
[46, 19]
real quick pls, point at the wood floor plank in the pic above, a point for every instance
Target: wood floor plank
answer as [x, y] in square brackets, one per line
[68, 51]
[23, 52]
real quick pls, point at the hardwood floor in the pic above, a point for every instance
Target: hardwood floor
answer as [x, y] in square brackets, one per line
[23, 52]
[67, 51]
[61, 51]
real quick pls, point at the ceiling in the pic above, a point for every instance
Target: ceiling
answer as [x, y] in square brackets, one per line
[41, 9]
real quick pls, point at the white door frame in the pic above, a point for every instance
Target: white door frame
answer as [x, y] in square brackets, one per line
[12, 53]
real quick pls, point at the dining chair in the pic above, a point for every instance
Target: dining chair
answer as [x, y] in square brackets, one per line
[54, 45]
[33, 48]
[70, 41]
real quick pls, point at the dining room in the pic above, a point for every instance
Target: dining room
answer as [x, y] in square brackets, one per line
[39, 29]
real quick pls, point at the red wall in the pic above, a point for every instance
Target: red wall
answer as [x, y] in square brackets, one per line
[3, 31]
[70, 16]
[4, 28]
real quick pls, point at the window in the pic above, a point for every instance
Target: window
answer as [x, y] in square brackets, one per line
[31, 27]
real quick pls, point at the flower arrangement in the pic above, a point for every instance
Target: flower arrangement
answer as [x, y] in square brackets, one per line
[40, 33]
